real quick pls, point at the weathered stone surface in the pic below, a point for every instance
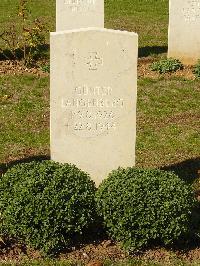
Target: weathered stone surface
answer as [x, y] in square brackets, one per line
[93, 99]
[75, 14]
[184, 30]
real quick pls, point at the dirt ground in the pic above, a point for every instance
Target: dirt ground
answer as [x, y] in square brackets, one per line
[17, 68]
[99, 251]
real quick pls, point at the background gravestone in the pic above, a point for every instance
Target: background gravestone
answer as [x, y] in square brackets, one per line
[184, 30]
[74, 14]
[93, 99]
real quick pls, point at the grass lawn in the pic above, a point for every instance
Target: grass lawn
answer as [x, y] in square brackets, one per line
[148, 18]
[24, 113]
[168, 111]
[167, 119]
[43, 9]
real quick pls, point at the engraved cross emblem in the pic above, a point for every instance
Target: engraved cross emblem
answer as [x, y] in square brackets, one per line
[94, 61]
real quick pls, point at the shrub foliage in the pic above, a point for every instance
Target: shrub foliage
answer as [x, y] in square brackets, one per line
[166, 65]
[22, 39]
[139, 206]
[46, 204]
[196, 70]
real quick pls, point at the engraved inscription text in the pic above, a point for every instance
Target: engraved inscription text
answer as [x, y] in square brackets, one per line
[92, 110]
[192, 11]
[80, 5]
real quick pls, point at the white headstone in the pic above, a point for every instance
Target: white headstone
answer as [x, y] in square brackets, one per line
[75, 14]
[184, 30]
[93, 99]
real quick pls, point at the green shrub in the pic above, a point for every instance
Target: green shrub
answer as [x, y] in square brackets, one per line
[196, 70]
[24, 39]
[46, 204]
[46, 68]
[139, 206]
[166, 65]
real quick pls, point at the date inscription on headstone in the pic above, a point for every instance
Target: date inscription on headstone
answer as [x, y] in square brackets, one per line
[92, 110]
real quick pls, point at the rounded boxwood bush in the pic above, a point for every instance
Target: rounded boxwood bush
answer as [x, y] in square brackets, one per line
[46, 204]
[139, 206]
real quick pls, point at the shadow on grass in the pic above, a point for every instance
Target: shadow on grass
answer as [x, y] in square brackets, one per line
[44, 50]
[188, 170]
[6, 166]
[18, 54]
[151, 50]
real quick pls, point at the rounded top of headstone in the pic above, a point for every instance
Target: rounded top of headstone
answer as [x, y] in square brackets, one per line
[95, 29]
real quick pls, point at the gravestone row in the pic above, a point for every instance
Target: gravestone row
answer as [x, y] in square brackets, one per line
[184, 23]
[94, 82]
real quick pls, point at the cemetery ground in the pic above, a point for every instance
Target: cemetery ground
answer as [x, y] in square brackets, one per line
[168, 128]
[167, 137]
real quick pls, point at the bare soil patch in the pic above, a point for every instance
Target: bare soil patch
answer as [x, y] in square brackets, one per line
[12, 67]
[98, 252]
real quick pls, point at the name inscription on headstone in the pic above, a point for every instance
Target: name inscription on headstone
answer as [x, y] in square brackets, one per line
[92, 110]
[191, 11]
[80, 5]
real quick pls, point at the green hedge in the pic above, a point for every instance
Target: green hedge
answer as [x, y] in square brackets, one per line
[46, 204]
[140, 206]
